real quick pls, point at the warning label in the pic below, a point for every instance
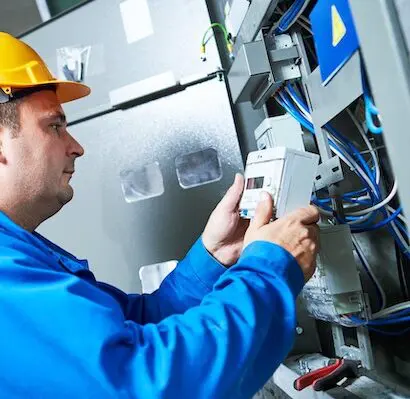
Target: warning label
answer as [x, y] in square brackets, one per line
[338, 27]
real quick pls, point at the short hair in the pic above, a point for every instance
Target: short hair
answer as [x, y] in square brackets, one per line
[10, 116]
[9, 111]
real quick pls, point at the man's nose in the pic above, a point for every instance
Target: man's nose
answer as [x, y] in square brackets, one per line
[75, 148]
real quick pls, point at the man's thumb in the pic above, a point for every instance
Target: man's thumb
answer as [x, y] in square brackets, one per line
[264, 210]
[233, 195]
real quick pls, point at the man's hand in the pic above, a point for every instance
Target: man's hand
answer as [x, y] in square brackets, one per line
[297, 232]
[224, 232]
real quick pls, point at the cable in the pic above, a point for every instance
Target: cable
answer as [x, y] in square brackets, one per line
[371, 110]
[336, 149]
[390, 333]
[392, 309]
[342, 151]
[298, 15]
[302, 21]
[368, 144]
[204, 42]
[289, 89]
[399, 216]
[291, 16]
[378, 225]
[379, 205]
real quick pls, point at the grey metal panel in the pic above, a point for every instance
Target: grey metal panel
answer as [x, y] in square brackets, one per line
[258, 15]
[403, 10]
[327, 101]
[119, 237]
[174, 46]
[250, 68]
[388, 68]
[18, 15]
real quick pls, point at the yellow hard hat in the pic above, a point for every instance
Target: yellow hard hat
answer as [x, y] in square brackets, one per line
[22, 68]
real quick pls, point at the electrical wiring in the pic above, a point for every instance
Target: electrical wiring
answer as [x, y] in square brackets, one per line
[353, 165]
[401, 217]
[390, 333]
[371, 110]
[391, 309]
[298, 15]
[305, 23]
[291, 16]
[372, 152]
[289, 89]
[291, 102]
[379, 205]
[337, 136]
[205, 40]
[362, 169]
[380, 224]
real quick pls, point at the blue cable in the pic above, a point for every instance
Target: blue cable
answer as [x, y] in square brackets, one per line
[386, 322]
[376, 195]
[340, 137]
[371, 110]
[390, 333]
[379, 225]
[309, 126]
[289, 16]
[401, 227]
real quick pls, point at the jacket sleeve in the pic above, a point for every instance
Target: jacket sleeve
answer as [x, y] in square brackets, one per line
[182, 289]
[70, 337]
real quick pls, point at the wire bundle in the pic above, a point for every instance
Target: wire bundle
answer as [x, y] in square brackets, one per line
[370, 196]
[369, 199]
[291, 15]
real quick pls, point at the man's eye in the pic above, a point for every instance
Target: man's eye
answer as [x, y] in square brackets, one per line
[56, 127]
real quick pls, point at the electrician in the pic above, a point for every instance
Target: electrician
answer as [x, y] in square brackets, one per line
[218, 326]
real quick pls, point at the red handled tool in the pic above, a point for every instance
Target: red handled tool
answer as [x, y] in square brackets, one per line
[328, 377]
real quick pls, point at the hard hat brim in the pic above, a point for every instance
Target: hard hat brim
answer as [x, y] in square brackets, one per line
[69, 91]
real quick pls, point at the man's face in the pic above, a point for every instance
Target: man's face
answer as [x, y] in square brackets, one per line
[40, 160]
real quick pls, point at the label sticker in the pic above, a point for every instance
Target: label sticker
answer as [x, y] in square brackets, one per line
[338, 27]
[136, 20]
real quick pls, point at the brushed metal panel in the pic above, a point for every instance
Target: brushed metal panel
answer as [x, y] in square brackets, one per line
[174, 46]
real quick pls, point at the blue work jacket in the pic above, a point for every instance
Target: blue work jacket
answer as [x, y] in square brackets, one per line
[207, 332]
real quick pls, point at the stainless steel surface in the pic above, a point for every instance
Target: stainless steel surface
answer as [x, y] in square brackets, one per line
[388, 67]
[342, 90]
[172, 47]
[118, 237]
[142, 88]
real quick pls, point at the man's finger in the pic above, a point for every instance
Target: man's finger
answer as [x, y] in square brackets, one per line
[232, 197]
[264, 210]
[308, 215]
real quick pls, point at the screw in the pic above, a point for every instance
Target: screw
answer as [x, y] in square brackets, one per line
[299, 330]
